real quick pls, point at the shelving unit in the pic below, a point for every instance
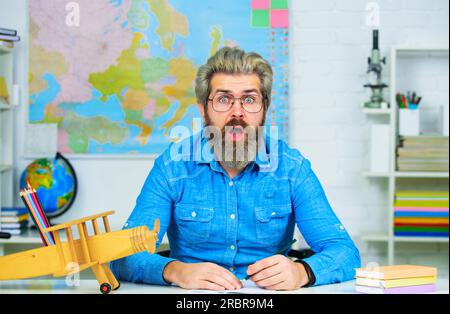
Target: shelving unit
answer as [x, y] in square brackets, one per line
[394, 176]
[6, 130]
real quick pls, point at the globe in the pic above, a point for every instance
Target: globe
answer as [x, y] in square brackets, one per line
[55, 183]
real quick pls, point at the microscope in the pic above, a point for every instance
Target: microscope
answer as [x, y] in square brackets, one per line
[374, 76]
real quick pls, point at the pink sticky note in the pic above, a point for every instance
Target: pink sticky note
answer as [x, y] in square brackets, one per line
[279, 19]
[260, 4]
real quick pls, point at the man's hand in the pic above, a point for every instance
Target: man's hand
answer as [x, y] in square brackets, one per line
[278, 273]
[201, 276]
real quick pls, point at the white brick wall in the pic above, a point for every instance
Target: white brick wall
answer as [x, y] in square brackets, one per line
[330, 45]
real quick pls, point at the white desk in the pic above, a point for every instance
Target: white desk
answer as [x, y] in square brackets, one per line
[42, 286]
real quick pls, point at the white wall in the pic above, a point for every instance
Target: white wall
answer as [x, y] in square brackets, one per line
[330, 43]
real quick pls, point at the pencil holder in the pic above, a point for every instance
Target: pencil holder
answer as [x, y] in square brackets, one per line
[409, 122]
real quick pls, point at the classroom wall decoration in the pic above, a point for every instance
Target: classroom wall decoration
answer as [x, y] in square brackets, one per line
[117, 75]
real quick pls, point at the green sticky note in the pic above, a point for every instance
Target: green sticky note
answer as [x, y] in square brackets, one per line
[279, 4]
[261, 18]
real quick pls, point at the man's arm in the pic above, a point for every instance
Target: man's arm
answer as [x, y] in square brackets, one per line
[154, 202]
[336, 256]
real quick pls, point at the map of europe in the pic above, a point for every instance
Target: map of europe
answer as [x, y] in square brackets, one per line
[122, 77]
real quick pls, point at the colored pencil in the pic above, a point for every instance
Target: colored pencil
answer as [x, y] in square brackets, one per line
[35, 218]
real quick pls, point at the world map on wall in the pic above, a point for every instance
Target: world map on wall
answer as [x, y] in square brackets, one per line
[120, 75]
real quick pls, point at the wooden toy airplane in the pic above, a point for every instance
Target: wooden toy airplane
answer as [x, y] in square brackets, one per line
[89, 251]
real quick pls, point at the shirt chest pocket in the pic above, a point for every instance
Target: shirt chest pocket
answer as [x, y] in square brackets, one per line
[193, 223]
[272, 223]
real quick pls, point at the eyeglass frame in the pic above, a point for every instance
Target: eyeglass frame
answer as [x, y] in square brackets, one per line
[264, 98]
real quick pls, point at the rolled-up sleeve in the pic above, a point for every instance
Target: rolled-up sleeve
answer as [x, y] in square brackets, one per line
[154, 202]
[336, 255]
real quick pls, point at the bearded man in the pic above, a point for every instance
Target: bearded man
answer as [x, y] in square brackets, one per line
[231, 202]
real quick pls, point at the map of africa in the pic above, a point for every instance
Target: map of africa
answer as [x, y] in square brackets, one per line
[119, 80]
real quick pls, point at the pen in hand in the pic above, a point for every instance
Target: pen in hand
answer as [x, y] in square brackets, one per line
[285, 248]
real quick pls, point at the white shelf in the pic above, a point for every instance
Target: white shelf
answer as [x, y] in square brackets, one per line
[422, 49]
[4, 168]
[23, 239]
[385, 238]
[5, 106]
[421, 239]
[370, 174]
[377, 111]
[406, 174]
[401, 174]
[375, 237]
[28, 237]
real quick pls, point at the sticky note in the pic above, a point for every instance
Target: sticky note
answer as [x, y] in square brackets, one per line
[260, 4]
[261, 18]
[279, 18]
[279, 4]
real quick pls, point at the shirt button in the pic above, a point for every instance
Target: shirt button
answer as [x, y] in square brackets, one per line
[231, 268]
[274, 213]
[232, 216]
[232, 247]
[194, 214]
[231, 183]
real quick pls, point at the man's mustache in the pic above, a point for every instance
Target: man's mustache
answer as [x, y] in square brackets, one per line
[236, 122]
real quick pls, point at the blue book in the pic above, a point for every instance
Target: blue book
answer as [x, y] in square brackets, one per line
[14, 211]
[421, 234]
[422, 214]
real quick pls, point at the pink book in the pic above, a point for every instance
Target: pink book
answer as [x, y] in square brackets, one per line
[421, 209]
[400, 290]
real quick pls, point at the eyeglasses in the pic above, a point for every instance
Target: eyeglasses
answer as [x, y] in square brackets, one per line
[224, 102]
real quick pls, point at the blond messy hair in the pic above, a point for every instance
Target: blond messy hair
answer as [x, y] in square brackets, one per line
[234, 61]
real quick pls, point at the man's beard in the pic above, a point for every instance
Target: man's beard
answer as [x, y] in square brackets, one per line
[234, 154]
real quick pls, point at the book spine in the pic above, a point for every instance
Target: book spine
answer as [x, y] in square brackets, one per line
[9, 38]
[9, 32]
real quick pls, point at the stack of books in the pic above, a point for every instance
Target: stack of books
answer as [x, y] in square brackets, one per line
[14, 220]
[399, 279]
[421, 214]
[8, 37]
[423, 153]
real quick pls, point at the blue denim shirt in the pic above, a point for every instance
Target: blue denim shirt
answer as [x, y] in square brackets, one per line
[234, 223]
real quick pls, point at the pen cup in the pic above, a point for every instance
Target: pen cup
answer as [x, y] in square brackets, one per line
[409, 122]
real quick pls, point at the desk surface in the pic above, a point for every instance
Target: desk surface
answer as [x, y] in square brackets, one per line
[49, 286]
